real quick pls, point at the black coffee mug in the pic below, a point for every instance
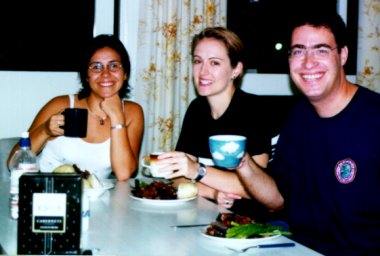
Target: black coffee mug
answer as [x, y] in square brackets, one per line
[75, 122]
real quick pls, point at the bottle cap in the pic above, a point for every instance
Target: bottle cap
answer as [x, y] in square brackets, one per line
[25, 141]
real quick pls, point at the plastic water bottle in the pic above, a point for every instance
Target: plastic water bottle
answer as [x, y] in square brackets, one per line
[24, 160]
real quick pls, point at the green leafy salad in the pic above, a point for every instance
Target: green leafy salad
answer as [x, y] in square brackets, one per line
[231, 225]
[254, 230]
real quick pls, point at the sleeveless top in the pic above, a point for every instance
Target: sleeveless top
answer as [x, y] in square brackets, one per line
[93, 157]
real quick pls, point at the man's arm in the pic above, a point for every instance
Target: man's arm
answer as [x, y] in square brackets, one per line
[259, 184]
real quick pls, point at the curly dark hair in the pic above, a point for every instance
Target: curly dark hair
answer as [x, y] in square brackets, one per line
[97, 43]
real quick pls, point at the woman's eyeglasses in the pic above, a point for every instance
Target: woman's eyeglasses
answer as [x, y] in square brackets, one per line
[97, 67]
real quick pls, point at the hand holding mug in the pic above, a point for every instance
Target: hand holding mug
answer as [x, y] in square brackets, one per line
[149, 162]
[53, 125]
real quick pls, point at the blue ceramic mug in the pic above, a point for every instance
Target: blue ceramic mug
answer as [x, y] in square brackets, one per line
[227, 150]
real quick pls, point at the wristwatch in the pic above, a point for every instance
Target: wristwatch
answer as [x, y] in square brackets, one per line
[202, 171]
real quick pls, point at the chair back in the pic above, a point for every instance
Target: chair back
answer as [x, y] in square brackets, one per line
[6, 145]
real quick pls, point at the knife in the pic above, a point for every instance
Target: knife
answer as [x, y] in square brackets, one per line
[190, 226]
[276, 245]
[262, 246]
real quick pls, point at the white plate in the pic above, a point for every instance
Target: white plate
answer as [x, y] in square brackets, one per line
[159, 202]
[94, 193]
[236, 243]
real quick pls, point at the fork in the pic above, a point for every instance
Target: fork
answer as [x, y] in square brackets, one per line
[262, 246]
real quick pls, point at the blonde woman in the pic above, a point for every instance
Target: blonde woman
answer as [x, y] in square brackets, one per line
[221, 108]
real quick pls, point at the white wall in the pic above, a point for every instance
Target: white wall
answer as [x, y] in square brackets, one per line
[22, 94]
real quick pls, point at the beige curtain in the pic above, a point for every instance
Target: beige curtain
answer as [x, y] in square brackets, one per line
[163, 69]
[368, 63]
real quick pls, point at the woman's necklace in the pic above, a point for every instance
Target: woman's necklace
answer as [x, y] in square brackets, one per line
[102, 120]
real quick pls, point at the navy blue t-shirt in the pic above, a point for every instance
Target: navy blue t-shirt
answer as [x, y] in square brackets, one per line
[328, 170]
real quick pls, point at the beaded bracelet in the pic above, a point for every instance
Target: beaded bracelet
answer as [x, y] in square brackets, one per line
[118, 126]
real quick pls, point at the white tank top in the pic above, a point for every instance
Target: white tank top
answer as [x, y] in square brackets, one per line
[93, 157]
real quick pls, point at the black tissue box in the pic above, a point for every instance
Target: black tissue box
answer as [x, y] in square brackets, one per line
[49, 214]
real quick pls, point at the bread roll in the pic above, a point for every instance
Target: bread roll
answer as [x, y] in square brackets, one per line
[65, 168]
[88, 180]
[186, 190]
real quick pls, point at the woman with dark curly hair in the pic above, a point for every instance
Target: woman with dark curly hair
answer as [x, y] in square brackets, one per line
[114, 126]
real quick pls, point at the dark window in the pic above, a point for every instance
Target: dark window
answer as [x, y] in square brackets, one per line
[261, 24]
[44, 35]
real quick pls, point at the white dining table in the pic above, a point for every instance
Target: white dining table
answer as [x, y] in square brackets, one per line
[122, 225]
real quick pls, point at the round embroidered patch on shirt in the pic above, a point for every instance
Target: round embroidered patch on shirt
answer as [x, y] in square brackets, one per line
[345, 170]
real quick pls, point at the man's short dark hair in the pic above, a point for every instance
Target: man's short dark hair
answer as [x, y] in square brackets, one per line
[328, 19]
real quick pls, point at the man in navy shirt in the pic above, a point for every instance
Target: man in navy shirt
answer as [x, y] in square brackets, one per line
[325, 174]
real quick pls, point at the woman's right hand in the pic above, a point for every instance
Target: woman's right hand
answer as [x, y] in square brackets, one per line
[226, 200]
[113, 107]
[54, 123]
